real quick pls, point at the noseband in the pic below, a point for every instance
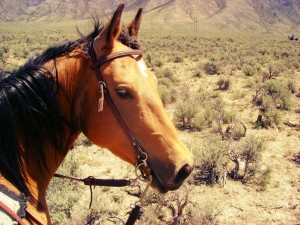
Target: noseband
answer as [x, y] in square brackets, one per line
[141, 162]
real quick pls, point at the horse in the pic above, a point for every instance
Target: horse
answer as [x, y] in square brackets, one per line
[98, 85]
[291, 38]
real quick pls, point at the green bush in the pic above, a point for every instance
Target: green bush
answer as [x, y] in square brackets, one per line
[165, 94]
[249, 70]
[251, 155]
[275, 69]
[209, 114]
[269, 116]
[200, 121]
[148, 59]
[165, 72]
[272, 118]
[185, 114]
[203, 109]
[214, 160]
[292, 86]
[267, 104]
[157, 62]
[216, 111]
[165, 81]
[280, 93]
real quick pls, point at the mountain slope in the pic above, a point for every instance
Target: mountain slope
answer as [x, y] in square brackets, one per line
[54, 10]
[247, 15]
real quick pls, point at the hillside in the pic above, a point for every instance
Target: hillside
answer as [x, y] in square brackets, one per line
[244, 15]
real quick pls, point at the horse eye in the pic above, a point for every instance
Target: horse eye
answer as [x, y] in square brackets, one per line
[123, 93]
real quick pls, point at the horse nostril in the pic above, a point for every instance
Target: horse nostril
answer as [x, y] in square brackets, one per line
[183, 173]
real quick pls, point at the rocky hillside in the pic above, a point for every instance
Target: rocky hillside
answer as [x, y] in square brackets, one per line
[280, 15]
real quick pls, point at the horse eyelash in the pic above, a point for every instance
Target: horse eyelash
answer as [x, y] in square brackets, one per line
[123, 93]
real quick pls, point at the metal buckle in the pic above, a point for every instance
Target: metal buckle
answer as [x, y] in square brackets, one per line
[140, 166]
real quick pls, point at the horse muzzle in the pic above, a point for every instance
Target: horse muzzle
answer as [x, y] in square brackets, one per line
[163, 185]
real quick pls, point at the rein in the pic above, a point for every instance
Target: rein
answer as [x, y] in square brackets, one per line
[11, 213]
[142, 170]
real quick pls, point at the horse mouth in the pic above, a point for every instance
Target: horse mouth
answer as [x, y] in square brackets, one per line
[157, 184]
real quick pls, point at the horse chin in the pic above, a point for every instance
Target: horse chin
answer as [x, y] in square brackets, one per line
[157, 185]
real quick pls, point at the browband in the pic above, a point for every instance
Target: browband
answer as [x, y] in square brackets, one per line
[99, 62]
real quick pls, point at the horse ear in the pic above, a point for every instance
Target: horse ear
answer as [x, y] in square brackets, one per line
[114, 27]
[134, 26]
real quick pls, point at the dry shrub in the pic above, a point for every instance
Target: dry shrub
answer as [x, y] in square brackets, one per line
[297, 158]
[251, 155]
[185, 114]
[178, 208]
[206, 213]
[178, 59]
[82, 140]
[211, 68]
[280, 93]
[212, 160]
[165, 94]
[223, 84]
[262, 178]
[234, 131]
[68, 191]
[249, 70]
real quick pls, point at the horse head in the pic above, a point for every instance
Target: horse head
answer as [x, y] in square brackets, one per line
[133, 90]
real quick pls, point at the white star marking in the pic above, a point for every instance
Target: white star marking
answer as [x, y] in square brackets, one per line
[143, 68]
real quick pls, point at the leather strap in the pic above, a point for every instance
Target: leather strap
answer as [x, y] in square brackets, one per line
[130, 136]
[134, 215]
[96, 63]
[92, 181]
[32, 218]
[11, 213]
[141, 162]
[99, 62]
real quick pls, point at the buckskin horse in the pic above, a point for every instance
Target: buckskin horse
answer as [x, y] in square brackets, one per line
[98, 85]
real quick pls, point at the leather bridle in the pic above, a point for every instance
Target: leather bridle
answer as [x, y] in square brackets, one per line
[141, 162]
[103, 91]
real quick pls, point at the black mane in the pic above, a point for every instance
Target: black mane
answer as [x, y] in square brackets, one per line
[29, 114]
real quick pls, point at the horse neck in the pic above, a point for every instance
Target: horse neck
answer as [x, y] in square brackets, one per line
[71, 71]
[70, 74]
[38, 180]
